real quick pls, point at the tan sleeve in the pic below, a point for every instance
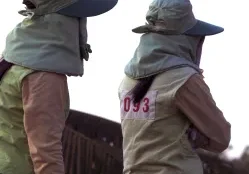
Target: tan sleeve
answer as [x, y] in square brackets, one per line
[194, 99]
[44, 100]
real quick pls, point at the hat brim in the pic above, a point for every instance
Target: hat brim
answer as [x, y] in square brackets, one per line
[153, 28]
[202, 28]
[199, 29]
[88, 8]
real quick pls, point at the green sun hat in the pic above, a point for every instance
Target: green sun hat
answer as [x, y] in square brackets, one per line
[175, 17]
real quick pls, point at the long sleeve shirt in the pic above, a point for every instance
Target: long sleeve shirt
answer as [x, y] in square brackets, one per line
[195, 100]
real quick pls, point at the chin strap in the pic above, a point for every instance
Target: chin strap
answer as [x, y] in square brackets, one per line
[85, 48]
[28, 9]
[84, 51]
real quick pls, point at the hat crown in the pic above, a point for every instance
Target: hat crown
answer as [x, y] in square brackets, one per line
[175, 15]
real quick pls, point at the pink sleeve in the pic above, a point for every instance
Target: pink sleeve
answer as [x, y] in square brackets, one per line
[194, 99]
[44, 101]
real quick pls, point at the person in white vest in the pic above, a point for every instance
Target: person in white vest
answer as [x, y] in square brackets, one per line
[167, 110]
[41, 51]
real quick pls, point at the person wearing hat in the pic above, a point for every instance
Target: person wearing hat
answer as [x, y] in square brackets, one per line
[167, 110]
[41, 51]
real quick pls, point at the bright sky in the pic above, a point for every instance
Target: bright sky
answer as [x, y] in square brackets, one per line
[225, 58]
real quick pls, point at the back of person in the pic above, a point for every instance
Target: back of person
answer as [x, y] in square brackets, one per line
[155, 139]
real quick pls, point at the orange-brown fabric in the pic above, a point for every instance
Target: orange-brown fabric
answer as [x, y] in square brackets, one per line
[44, 100]
[194, 99]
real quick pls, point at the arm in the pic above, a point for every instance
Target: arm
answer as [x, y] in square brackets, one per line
[194, 99]
[44, 101]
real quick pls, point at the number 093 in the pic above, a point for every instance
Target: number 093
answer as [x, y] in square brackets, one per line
[143, 105]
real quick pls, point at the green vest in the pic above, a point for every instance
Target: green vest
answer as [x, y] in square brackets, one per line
[14, 151]
[154, 133]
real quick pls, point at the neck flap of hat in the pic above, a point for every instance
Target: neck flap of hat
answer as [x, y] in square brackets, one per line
[158, 53]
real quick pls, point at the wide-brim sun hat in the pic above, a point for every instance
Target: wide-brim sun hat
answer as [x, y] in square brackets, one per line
[88, 8]
[174, 17]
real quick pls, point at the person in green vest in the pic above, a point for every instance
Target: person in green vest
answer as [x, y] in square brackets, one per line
[167, 110]
[41, 51]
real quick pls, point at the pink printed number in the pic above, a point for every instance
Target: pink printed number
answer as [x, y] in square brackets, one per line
[127, 104]
[136, 107]
[144, 105]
